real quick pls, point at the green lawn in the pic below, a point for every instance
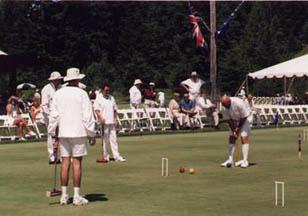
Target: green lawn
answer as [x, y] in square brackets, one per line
[137, 188]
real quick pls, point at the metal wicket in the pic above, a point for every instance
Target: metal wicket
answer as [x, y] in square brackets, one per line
[277, 183]
[299, 147]
[305, 134]
[164, 167]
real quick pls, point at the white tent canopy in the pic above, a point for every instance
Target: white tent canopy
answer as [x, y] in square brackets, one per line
[2, 53]
[297, 67]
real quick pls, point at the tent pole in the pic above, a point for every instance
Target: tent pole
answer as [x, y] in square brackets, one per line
[285, 86]
[290, 85]
[239, 89]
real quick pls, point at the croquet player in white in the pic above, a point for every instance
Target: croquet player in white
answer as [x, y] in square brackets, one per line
[72, 113]
[106, 110]
[237, 112]
[47, 94]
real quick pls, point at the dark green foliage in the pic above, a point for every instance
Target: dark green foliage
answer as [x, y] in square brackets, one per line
[121, 41]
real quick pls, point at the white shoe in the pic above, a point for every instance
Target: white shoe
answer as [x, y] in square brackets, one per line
[22, 139]
[31, 133]
[79, 200]
[64, 199]
[120, 159]
[227, 163]
[239, 163]
[245, 164]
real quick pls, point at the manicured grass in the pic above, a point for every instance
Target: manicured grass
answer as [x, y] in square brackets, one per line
[137, 188]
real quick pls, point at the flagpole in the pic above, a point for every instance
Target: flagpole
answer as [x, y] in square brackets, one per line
[213, 66]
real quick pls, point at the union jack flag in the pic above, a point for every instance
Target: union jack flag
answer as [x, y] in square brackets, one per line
[194, 19]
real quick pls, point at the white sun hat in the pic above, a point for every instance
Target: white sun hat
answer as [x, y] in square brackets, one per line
[73, 74]
[137, 81]
[55, 75]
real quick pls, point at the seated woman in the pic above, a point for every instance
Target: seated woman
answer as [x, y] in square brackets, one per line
[14, 118]
[36, 111]
[175, 111]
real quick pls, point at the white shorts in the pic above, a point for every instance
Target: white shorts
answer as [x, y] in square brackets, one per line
[245, 130]
[73, 147]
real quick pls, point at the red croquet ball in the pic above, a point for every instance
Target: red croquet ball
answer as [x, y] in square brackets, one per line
[182, 169]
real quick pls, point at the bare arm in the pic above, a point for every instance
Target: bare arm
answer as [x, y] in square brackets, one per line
[100, 117]
[9, 109]
[186, 87]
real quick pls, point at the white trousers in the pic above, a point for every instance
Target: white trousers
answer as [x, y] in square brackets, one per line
[110, 143]
[49, 141]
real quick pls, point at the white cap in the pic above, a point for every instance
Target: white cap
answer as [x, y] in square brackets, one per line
[73, 74]
[55, 76]
[137, 81]
[194, 73]
[152, 84]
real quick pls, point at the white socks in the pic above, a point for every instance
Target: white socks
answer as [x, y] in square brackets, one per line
[231, 151]
[64, 190]
[76, 191]
[245, 150]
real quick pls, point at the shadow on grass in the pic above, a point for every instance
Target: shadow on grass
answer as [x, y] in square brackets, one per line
[96, 197]
[91, 197]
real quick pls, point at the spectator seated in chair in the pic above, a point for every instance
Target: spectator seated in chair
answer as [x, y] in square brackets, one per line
[175, 111]
[188, 107]
[15, 119]
[205, 106]
[36, 111]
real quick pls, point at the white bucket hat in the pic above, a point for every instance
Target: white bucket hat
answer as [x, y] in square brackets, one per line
[73, 74]
[137, 81]
[55, 76]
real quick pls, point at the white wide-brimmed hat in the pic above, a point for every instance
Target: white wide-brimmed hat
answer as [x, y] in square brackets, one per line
[73, 74]
[55, 76]
[137, 81]
[194, 73]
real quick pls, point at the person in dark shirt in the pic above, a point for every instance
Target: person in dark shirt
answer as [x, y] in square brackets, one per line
[150, 96]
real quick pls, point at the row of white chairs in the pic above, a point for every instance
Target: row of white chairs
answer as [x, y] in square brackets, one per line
[153, 119]
[287, 114]
[130, 120]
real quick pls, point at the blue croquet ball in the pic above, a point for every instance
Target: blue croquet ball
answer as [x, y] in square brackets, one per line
[229, 165]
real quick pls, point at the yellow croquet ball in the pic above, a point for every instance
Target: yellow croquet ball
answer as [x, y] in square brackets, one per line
[192, 171]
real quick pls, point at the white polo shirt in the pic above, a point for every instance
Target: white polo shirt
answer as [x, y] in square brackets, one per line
[238, 109]
[135, 95]
[194, 87]
[71, 111]
[107, 106]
